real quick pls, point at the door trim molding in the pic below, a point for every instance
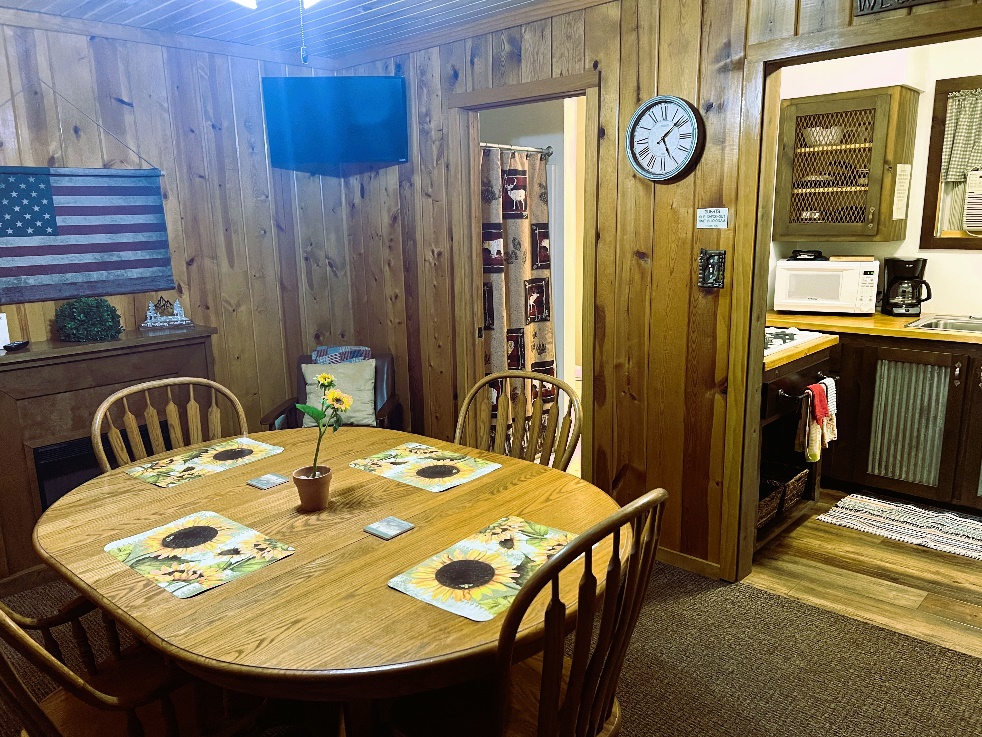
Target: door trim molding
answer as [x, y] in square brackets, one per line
[519, 94]
[750, 267]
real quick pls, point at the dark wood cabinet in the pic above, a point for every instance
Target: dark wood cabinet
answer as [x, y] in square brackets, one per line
[780, 408]
[968, 477]
[907, 413]
[909, 420]
[49, 393]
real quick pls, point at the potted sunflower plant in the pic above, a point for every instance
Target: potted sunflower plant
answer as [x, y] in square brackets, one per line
[313, 482]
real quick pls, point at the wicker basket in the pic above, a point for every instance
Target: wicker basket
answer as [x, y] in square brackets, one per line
[770, 502]
[790, 481]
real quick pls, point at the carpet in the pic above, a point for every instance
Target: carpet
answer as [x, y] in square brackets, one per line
[948, 532]
[713, 659]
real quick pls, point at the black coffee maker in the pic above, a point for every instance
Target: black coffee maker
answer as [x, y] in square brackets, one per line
[905, 287]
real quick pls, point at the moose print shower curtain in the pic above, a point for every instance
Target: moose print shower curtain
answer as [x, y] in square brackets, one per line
[518, 325]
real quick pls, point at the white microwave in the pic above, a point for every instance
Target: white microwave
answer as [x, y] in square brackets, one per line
[826, 286]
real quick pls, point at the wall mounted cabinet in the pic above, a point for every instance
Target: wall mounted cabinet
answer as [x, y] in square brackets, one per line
[837, 165]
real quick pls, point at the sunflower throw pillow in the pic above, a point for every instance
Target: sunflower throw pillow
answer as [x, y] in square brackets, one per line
[356, 378]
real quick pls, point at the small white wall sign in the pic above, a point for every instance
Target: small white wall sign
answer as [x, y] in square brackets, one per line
[4, 331]
[712, 217]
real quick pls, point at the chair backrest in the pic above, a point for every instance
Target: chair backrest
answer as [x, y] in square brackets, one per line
[183, 429]
[48, 661]
[510, 394]
[597, 651]
[385, 377]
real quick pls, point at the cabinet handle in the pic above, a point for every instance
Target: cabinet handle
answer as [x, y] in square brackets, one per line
[958, 373]
[980, 378]
[872, 216]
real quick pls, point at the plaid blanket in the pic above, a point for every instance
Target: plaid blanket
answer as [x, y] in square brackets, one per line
[341, 353]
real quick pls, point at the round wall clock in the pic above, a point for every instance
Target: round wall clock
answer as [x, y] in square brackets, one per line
[665, 139]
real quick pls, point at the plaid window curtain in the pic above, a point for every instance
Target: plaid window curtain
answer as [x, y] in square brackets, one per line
[518, 306]
[960, 153]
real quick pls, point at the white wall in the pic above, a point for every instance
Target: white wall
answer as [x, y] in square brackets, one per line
[955, 276]
[542, 124]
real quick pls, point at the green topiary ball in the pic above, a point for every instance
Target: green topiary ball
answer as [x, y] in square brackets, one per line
[88, 319]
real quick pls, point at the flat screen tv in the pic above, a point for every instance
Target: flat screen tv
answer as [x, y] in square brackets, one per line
[315, 123]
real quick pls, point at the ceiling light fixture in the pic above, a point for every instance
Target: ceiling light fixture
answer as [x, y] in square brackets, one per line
[251, 4]
[310, 3]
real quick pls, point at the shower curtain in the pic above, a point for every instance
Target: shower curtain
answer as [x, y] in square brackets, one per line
[518, 325]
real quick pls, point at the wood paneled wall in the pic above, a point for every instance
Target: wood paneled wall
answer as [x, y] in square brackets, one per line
[257, 252]
[280, 262]
[661, 344]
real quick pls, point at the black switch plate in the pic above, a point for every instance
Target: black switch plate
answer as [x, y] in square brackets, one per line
[712, 269]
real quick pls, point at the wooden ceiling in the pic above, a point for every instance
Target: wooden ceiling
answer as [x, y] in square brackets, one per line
[333, 27]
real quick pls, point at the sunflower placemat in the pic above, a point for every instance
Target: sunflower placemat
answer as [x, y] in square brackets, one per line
[197, 553]
[478, 577]
[196, 464]
[425, 467]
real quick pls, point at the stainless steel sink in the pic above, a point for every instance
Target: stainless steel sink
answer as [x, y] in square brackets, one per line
[962, 323]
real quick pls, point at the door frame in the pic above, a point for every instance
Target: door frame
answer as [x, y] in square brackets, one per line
[761, 104]
[464, 137]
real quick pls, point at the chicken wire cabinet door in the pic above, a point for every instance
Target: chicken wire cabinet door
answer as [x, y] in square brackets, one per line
[837, 165]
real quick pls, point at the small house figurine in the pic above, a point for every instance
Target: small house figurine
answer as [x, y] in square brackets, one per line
[163, 314]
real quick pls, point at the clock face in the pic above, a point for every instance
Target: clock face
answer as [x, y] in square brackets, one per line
[664, 139]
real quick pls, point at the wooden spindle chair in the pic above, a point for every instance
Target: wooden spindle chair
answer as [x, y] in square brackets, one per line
[133, 694]
[499, 405]
[78, 702]
[181, 431]
[567, 689]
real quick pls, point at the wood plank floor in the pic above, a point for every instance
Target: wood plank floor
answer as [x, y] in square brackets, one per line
[923, 593]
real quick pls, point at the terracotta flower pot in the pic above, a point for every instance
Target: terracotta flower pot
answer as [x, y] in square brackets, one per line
[314, 491]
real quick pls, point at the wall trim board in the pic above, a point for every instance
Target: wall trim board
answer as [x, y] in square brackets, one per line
[542, 10]
[688, 563]
[883, 34]
[750, 264]
[544, 89]
[57, 23]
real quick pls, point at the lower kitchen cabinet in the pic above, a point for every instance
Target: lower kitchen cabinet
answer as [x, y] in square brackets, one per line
[908, 419]
[968, 480]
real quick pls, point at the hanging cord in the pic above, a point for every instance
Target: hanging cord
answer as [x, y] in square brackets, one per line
[87, 117]
[303, 39]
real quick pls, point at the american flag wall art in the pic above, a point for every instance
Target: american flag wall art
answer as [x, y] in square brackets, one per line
[67, 233]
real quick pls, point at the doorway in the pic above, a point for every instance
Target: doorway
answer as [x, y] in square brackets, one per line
[555, 129]
[895, 585]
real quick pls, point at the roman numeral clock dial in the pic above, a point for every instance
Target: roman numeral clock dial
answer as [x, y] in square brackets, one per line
[665, 139]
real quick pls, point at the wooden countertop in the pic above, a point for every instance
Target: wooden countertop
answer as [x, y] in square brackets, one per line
[798, 350]
[878, 324]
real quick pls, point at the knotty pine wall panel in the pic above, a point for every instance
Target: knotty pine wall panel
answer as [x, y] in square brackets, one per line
[661, 344]
[257, 252]
[280, 262]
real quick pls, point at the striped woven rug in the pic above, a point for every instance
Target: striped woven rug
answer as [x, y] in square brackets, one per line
[949, 532]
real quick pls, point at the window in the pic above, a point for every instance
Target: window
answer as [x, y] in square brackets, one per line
[955, 150]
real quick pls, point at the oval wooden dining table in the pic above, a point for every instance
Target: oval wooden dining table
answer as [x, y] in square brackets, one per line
[321, 624]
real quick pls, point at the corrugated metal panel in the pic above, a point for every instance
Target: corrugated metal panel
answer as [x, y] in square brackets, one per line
[909, 408]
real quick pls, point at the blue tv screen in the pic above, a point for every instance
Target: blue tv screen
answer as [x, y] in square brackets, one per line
[315, 123]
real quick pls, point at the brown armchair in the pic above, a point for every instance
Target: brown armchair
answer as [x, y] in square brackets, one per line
[388, 408]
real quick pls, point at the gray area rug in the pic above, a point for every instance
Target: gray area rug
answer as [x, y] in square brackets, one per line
[709, 658]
